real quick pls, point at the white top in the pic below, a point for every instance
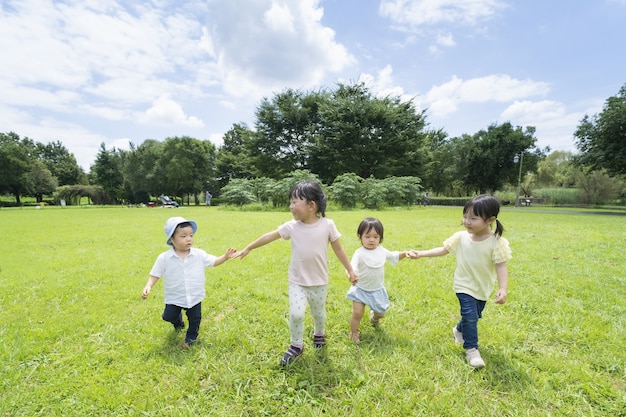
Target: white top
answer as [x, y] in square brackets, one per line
[369, 264]
[183, 279]
[309, 250]
[475, 272]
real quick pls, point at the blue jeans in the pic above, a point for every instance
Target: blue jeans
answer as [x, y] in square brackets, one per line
[173, 314]
[471, 311]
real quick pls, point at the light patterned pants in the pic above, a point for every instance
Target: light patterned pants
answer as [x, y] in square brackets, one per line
[298, 298]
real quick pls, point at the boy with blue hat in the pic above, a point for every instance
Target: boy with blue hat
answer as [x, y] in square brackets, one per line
[182, 269]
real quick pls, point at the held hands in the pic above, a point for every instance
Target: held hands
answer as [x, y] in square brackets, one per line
[240, 254]
[353, 277]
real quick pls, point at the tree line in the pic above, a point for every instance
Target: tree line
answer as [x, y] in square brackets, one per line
[338, 135]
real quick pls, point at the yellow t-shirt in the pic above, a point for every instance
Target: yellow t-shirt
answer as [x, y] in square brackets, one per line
[475, 272]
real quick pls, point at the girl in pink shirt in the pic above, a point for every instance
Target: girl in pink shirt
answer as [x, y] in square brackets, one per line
[310, 233]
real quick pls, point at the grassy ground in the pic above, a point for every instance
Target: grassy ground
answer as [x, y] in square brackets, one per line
[77, 339]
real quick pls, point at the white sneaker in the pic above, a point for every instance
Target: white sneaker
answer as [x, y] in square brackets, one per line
[473, 358]
[458, 336]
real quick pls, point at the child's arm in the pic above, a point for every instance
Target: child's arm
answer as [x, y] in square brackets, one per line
[221, 259]
[503, 282]
[416, 254]
[263, 240]
[340, 253]
[146, 290]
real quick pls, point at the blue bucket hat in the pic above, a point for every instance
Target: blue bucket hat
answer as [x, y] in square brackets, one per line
[172, 223]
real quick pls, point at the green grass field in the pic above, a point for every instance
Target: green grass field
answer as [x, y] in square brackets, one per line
[78, 340]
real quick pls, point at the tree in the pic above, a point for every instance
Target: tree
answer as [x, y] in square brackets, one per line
[61, 163]
[142, 171]
[366, 135]
[16, 158]
[601, 138]
[235, 157]
[188, 165]
[490, 154]
[40, 181]
[107, 172]
[284, 130]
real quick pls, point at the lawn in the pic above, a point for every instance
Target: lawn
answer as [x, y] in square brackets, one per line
[78, 340]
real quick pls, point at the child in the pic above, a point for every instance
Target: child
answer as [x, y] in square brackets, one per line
[310, 232]
[369, 263]
[481, 257]
[182, 269]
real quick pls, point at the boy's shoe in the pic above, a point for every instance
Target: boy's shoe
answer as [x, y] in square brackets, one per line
[319, 341]
[473, 358]
[355, 336]
[458, 336]
[373, 320]
[290, 356]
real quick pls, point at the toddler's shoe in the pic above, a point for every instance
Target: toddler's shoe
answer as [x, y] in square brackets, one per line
[373, 320]
[319, 341]
[473, 358]
[458, 336]
[290, 356]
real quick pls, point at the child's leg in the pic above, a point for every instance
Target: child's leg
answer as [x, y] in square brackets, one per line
[471, 311]
[194, 315]
[172, 314]
[358, 309]
[297, 307]
[317, 302]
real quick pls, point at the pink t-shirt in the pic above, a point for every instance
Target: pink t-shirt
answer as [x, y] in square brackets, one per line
[309, 250]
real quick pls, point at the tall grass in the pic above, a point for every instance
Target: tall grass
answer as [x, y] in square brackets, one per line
[78, 340]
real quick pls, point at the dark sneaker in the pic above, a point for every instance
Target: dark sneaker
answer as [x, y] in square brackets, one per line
[319, 341]
[290, 356]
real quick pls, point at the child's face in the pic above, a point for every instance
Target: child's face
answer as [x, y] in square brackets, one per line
[370, 239]
[182, 239]
[301, 209]
[476, 225]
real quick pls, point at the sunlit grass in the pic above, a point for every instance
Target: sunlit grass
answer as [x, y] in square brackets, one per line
[77, 339]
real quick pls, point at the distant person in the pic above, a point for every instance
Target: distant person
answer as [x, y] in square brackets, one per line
[182, 269]
[368, 262]
[310, 233]
[481, 257]
[208, 199]
[425, 199]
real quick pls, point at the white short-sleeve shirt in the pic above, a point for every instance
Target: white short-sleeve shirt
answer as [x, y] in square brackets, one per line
[183, 279]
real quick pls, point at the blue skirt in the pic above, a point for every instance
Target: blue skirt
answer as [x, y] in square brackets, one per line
[377, 300]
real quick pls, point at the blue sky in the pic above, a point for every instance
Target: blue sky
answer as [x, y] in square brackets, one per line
[87, 72]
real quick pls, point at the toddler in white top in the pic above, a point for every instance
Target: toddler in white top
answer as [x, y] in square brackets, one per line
[369, 263]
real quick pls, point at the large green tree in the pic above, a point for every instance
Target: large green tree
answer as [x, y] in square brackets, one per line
[490, 154]
[235, 157]
[284, 129]
[601, 138]
[366, 135]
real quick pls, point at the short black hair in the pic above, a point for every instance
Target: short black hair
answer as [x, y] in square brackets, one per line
[368, 224]
[310, 191]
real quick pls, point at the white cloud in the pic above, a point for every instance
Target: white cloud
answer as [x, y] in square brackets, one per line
[446, 98]
[165, 111]
[412, 13]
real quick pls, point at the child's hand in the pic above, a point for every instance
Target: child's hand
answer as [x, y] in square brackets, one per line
[353, 277]
[412, 254]
[145, 292]
[239, 254]
[501, 296]
[230, 253]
